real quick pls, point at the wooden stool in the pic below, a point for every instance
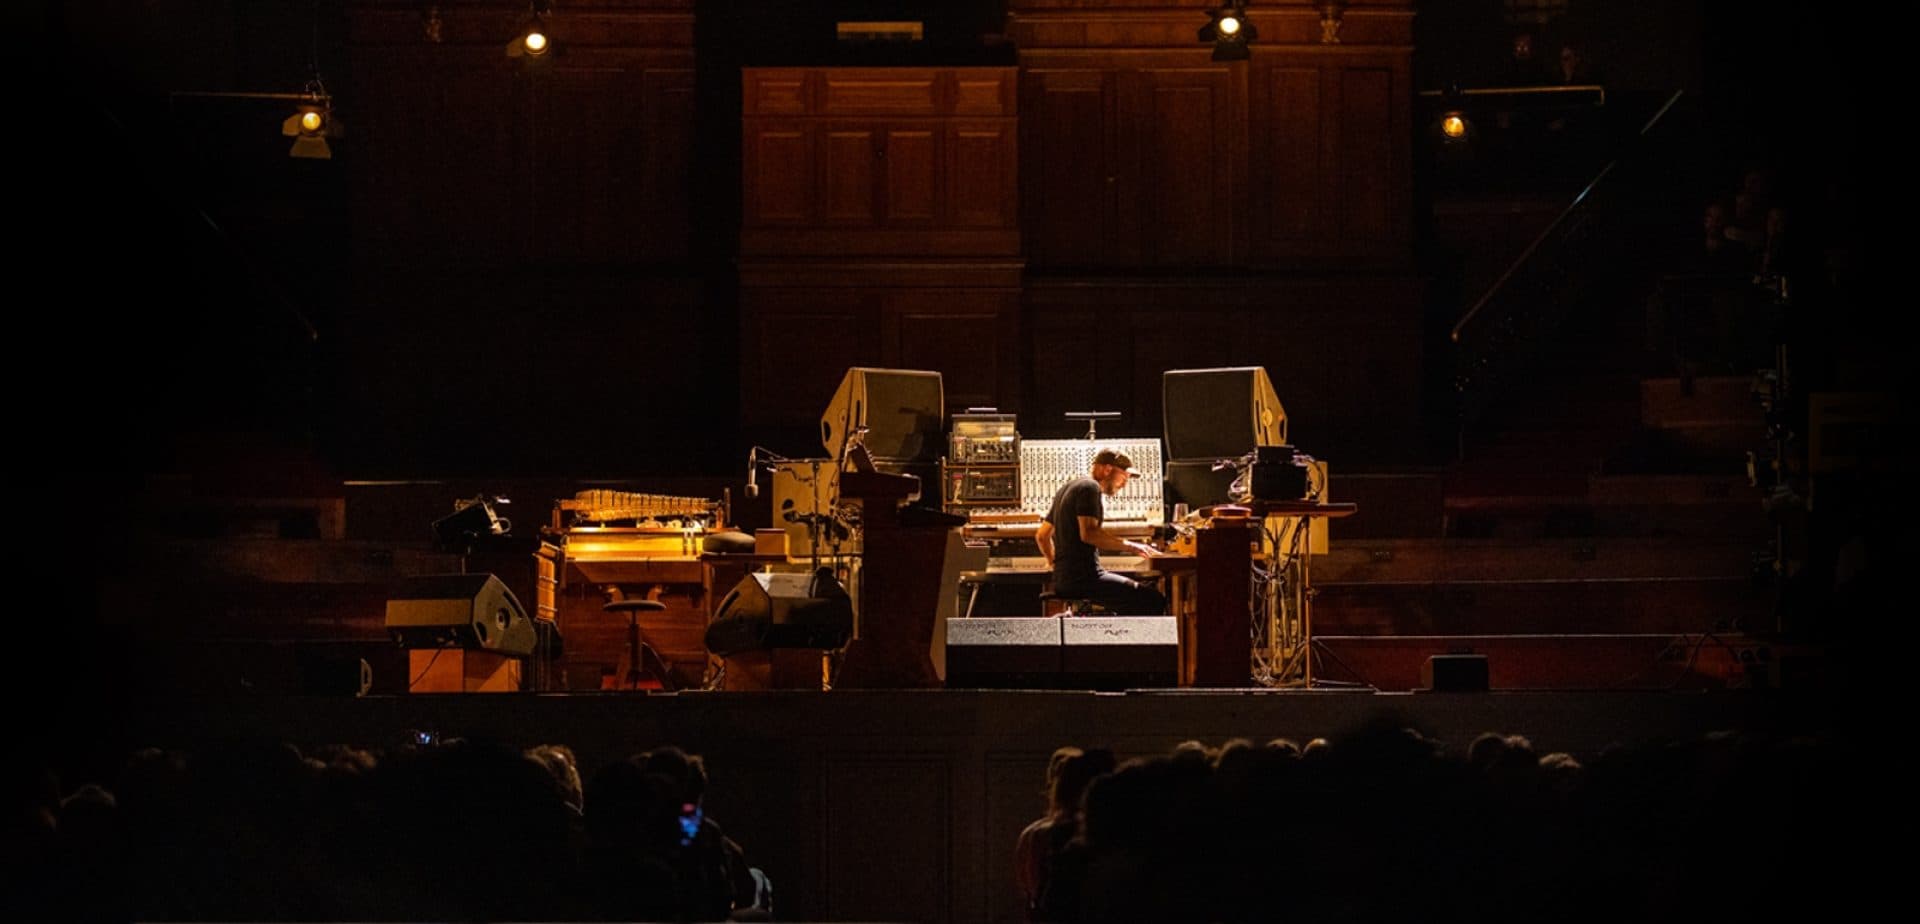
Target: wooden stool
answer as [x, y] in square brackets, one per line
[1075, 606]
[1083, 606]
[637, 649]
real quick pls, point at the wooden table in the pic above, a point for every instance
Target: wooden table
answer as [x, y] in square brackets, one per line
[1229, 634]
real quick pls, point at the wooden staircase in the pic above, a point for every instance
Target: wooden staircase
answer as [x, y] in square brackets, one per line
[1601, 533]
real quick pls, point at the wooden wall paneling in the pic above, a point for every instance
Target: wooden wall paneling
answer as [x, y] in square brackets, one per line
[1194, 335]
[797, 343]
[982, 173]
[1331, 157]
[470, 157]
[1366, 142]
[1344, 354]
[1081, 359]
[1140, 24]
[907, 162]
[912, 166]
[610, 150]
[1286, 157]
[888, 821]
[1191, 125]
[1071, 167]
[778, 173]
[1366, 404]
[969, 336]
[1314, 148]
[848, 174]
[1015, 796]
[773, 91]
[882, 91]
[984, 92]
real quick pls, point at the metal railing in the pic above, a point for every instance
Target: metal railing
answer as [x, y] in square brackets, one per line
[1500, 335]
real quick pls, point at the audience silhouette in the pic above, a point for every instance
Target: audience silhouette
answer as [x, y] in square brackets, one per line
[1380, 823]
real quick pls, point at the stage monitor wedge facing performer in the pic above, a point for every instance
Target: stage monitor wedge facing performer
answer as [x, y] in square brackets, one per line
[1212, 414]
[898, 414]
[473, 611]
[784, 610]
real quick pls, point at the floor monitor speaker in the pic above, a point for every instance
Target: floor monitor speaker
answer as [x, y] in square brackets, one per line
[1121, 652]
[459, 611]
[1019, 652]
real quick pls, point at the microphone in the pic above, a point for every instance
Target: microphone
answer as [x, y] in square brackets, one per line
[753, 487]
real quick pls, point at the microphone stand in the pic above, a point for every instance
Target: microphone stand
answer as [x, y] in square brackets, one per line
[759, 459]
[1092, 418]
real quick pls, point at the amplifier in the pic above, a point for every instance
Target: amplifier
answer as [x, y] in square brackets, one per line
[1000, 450]
[984, 436]
[997, 485]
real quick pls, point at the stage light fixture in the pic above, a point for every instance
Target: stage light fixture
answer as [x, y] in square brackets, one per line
[1454, 126]
[1229, 31]
[312, 123]
[535, 40]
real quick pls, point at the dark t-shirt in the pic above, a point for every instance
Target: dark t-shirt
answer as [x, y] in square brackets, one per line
[1074, 561]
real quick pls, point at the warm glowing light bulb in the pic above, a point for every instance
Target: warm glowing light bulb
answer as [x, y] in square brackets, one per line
[1453, 126]
[1229, 25]
[536, 42]
[311, 120]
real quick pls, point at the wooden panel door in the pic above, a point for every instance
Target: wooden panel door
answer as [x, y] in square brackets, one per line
[777, 173]
[1072, 171]
[970, 337]
[1287, 153]
[1331, 159]
[982, 189]
[911, 168]
[848, 174]
[1188, 123]
[1367, 142]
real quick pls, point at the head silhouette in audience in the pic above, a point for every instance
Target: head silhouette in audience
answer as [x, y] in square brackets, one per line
[1523, 64]
[1502, 830]
[1041, 843]
[711, 866]
[1572, 66]
[559, 763]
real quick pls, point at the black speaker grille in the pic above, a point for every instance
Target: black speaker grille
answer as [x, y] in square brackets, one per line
[1214, 413]
[905, 416]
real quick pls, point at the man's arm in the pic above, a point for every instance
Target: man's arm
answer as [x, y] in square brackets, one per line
[1043, 537]
[1093, 534]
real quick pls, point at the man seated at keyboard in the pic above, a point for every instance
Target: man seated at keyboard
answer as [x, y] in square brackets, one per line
[1073, 535]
